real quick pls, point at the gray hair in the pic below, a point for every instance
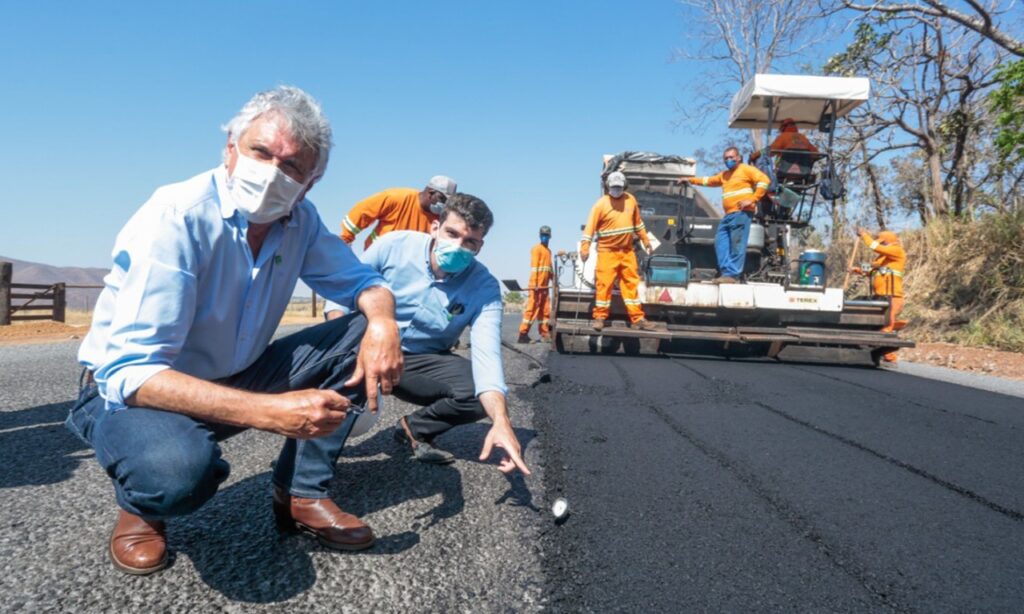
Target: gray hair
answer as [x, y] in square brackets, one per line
[473, 210]
[301, 113]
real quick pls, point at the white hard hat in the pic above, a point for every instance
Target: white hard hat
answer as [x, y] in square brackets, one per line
[616, 180]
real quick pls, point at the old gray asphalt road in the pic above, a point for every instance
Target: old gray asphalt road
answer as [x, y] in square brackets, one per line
[456, 538]
[694, 484]
[713, 485]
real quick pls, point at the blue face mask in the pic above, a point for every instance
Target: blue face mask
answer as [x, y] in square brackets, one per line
[544, 240]
[451, 257]
[730, 164]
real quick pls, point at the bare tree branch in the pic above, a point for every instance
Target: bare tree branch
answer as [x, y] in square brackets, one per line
[982, 24]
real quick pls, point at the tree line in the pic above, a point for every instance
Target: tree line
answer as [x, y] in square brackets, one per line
[943, 133]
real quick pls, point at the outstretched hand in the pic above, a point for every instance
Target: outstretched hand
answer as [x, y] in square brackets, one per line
[502, 436]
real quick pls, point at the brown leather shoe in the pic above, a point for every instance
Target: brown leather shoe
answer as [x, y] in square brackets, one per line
[645, 324]
[323, 519]
[597, 325]
[138, 546]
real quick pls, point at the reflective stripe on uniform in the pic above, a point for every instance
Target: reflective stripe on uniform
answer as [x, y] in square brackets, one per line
[349, 226]
[887, 271]
[603, 303]
[617, 231]
[704, 180]
[541, 269]
[631, 301]
[873, 245]
[738, 192]
[374, 236]
[762, 184]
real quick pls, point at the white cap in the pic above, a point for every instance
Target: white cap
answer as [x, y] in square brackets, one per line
[442, 184]
[616, 180]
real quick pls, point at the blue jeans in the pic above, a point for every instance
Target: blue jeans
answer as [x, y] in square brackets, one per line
[731, 242]
[168, 464]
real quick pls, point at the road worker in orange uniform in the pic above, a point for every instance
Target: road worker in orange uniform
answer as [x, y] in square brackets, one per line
[398, 209]
[791, 138]
[742, 187]
[613, 222]
[538, 306]
[789, 149]
[886, 274]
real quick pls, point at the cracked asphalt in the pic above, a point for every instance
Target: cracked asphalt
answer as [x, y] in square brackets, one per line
[456, 538]
[694, 485]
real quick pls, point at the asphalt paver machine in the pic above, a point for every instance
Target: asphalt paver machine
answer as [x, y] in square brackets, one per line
[784, 310]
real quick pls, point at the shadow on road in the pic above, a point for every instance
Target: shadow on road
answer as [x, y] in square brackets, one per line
[237, 551]
[38, 450]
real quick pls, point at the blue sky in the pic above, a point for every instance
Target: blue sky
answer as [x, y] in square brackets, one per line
[106, 101]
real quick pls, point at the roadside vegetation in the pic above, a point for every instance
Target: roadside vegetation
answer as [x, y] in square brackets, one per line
[964, 282]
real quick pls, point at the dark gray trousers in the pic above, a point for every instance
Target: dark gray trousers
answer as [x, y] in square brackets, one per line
[443, 384]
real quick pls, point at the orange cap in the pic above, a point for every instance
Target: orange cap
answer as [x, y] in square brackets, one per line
[888, 236]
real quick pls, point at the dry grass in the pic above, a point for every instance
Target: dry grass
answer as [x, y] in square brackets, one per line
[964, 282]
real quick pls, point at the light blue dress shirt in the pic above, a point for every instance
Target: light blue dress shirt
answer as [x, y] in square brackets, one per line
[186, 293]
[428, 310]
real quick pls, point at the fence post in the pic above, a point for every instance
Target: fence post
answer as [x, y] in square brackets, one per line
[60, 302]
[314, 302]
[6, 269]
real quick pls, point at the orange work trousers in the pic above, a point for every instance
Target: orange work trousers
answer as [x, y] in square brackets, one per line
[897, 307]
[611, 265]
[538, 309]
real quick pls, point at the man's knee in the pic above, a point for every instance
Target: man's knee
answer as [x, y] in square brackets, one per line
[163, 464]
[171, 480]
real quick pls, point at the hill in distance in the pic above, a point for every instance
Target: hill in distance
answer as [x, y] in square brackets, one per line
[37, 273]
[84, 298]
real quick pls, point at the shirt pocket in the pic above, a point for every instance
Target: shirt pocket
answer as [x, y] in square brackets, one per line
[433, 318]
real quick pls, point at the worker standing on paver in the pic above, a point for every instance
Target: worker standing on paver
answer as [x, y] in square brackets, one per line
[398, 209]
[614, 221]
[886, 274]
[743, 186]
[538, 305]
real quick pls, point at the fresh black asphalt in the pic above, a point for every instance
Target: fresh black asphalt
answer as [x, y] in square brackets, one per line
[714, 485]
[693, 484]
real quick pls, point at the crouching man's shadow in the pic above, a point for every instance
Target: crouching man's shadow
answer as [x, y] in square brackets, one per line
[236, 549]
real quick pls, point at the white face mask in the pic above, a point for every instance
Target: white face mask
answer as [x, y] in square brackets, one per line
[262, 193]
[616, 192]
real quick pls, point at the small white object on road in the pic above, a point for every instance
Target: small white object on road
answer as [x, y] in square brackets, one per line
[560, 508]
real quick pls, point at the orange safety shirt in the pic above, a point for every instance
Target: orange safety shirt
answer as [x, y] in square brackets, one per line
[887, 268]
[792, 140]
[744, 182]
[612, 224]
[392, 209]
[540, 266]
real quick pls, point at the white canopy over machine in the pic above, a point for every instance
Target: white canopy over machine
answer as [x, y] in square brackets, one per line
[801, 97]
